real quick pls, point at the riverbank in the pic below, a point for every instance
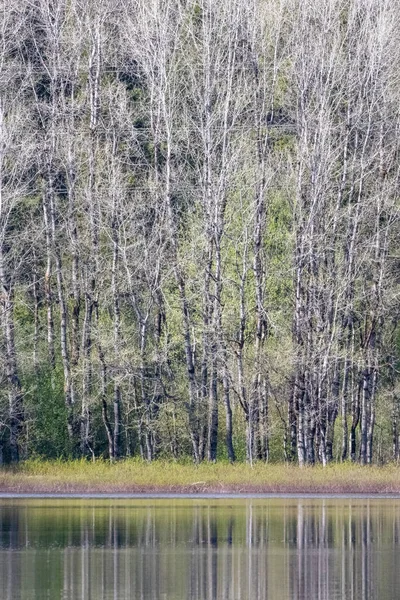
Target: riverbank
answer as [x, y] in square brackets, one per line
[134, 476]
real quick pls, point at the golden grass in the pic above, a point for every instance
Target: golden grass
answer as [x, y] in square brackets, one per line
[134, 475]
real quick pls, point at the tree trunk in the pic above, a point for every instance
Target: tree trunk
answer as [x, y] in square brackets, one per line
[15, 395]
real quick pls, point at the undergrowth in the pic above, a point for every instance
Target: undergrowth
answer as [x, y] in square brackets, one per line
[138, 475]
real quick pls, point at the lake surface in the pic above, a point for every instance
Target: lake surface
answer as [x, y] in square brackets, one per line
[200, 549]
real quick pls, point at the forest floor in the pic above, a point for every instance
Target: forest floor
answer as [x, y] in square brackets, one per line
[134, 476]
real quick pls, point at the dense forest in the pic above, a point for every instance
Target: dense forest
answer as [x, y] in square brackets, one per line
[199, 227]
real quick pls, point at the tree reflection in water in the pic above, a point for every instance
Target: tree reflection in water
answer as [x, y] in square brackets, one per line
[200, 549]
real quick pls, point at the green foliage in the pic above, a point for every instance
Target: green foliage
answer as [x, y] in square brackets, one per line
[46, 415]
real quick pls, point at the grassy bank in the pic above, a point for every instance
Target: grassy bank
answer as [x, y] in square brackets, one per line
[161, 476]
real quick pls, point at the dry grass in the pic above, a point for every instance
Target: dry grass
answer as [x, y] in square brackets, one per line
[162, 476]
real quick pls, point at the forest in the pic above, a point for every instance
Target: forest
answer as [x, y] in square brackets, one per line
[199, 230]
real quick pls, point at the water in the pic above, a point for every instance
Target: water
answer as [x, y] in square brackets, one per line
[199, 549]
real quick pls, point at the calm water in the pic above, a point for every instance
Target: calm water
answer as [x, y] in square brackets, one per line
[175, 549]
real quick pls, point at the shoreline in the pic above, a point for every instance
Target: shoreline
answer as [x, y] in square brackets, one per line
[71, 490]
[161, 478]
[197, 496]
